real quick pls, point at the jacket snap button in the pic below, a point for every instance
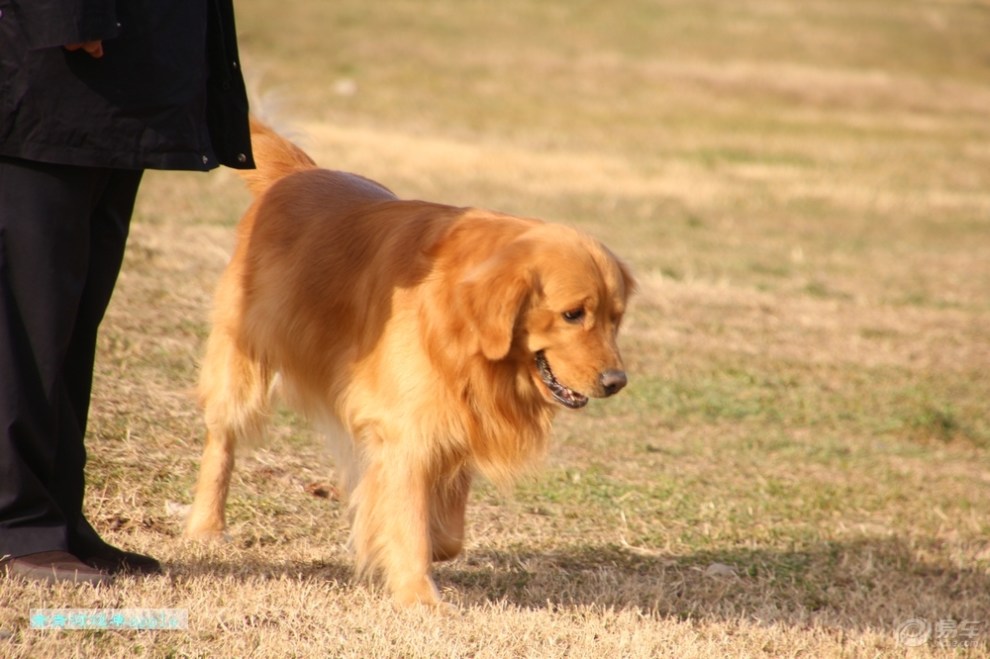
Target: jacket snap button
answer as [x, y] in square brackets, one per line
[241, 157]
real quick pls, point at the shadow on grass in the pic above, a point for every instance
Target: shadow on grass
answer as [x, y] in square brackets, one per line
[876, 584]
[214, 568]
[869, 583]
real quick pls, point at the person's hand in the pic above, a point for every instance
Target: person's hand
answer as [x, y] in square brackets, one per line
[94, 48]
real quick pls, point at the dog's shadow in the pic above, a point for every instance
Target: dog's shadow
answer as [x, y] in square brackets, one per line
[866, 584]
[869, 583]
[219, 568]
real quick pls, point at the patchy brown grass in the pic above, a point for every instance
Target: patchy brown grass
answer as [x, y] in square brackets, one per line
[799, 466]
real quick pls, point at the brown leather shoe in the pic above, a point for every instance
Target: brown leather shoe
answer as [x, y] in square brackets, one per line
[54, 567]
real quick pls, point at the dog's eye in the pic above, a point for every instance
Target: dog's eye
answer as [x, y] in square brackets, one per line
[574, 315]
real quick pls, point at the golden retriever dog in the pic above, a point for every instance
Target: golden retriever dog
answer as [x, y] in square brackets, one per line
[431, 343]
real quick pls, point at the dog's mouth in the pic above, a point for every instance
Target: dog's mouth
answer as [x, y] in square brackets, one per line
[563, 395]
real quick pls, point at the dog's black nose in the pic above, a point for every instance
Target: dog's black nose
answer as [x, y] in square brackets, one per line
[613, 381]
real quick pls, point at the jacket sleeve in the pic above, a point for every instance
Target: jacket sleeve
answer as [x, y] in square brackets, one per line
[52, 23]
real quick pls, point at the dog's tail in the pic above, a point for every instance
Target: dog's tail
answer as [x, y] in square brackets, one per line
[275, 157]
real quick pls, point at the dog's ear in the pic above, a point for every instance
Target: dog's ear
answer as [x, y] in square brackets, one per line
[492, 296]
[628, 279]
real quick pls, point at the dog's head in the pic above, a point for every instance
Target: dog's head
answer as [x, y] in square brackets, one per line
[552, 300]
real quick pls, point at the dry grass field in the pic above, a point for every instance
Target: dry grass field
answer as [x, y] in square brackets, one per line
[801, 463]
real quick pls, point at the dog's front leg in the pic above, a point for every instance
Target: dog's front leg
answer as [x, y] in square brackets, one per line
[447, 507]
[392, 526]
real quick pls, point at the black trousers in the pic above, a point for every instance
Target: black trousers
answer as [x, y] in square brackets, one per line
[62, 235]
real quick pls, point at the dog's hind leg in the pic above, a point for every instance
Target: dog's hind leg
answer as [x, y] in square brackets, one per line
[235, 391]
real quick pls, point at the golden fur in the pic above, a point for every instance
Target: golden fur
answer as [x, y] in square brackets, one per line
[429, 342]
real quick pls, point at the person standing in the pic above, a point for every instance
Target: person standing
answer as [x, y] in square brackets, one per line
[92, 93]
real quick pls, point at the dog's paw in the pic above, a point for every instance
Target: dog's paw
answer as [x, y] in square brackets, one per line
[419, 592]
[206, 530]
[219, 537]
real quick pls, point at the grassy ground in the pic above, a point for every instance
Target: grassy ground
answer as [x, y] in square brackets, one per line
[800, 464]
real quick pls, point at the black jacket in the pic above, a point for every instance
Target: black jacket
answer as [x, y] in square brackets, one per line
[167, 93]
